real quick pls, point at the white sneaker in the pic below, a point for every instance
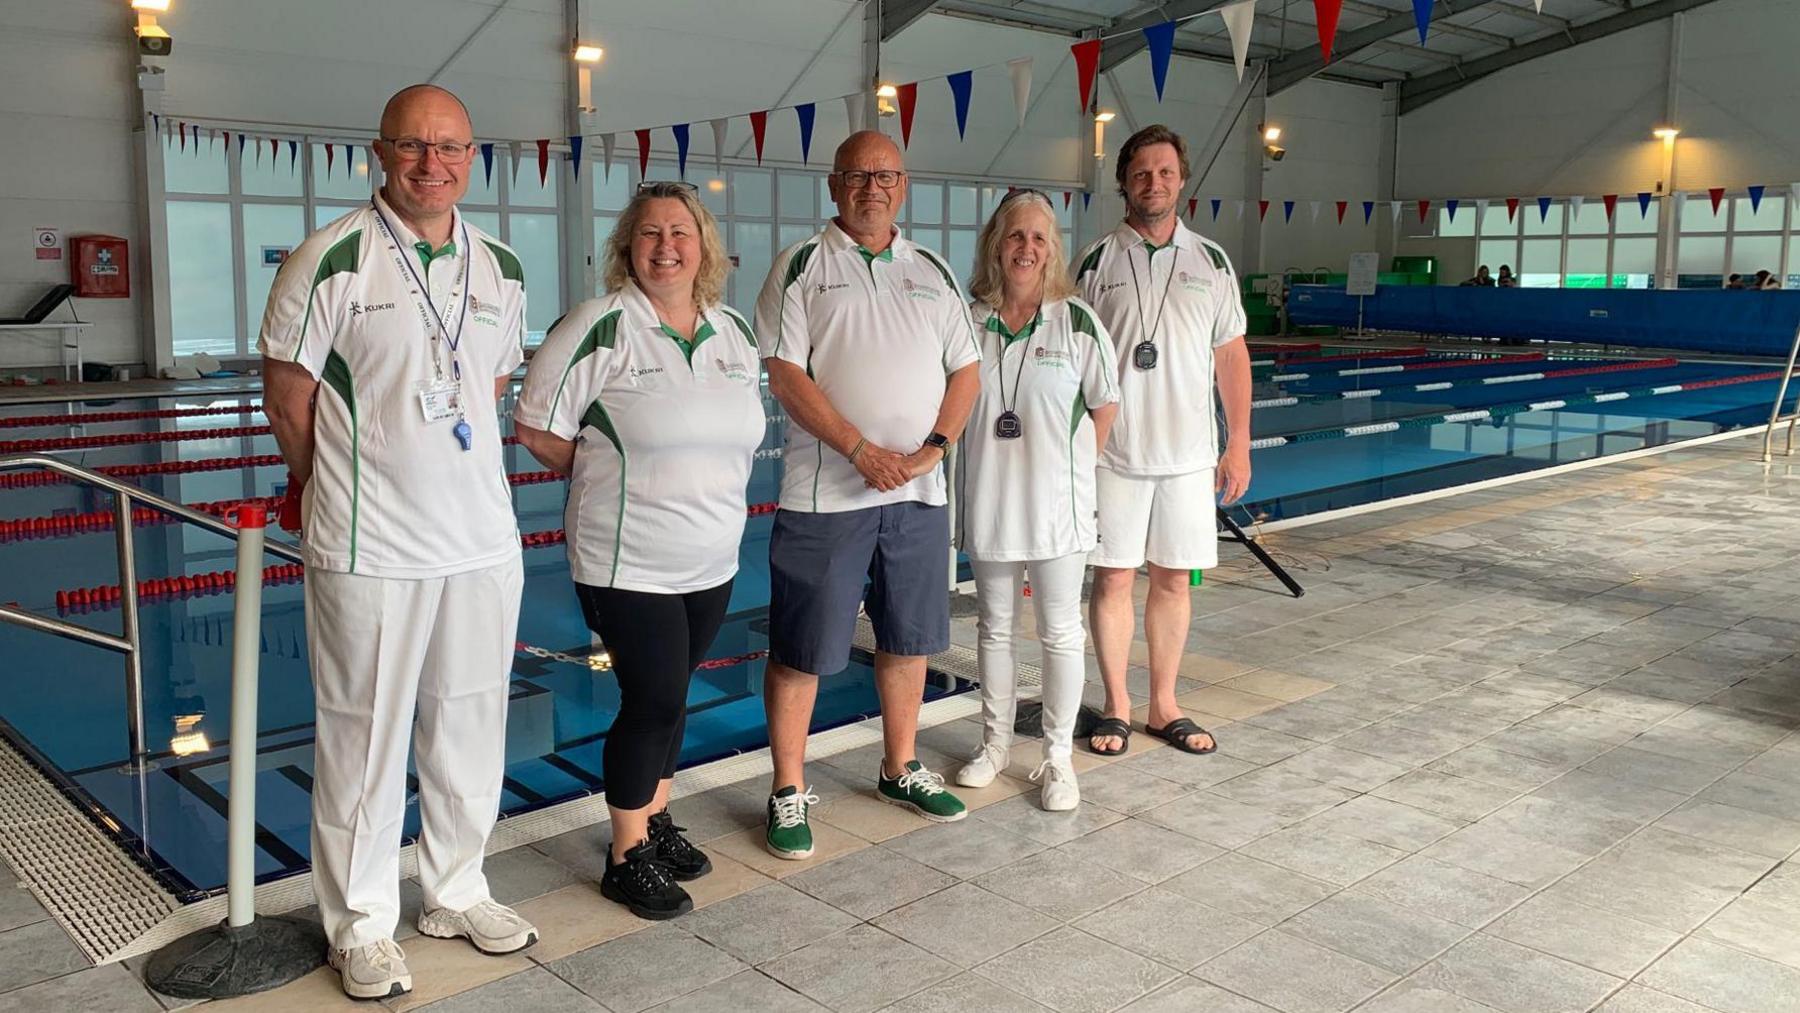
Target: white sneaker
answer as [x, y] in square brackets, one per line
[988, 760]
[1059, 792]
[375, 971]
[495, 929]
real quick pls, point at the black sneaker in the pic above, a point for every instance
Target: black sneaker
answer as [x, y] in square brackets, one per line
[683, 860]
[644, 885]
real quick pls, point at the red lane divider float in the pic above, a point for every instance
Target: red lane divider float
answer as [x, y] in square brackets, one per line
[34, 479]
[1284, 349]
[88, 418]
[1379, 353]
[132, 439]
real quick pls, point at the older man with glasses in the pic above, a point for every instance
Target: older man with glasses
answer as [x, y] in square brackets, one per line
[388, 338]
[868, 346]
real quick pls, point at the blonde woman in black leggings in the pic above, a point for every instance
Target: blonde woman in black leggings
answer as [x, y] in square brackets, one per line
[649, 400]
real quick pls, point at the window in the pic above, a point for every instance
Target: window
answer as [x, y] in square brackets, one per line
[1460, 223]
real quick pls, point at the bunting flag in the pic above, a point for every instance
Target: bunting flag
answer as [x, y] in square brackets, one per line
[1543, 209]
[1644, 199]
[1193, 206]
[1368, 211]
[1680, 199]
[962, 85]
[909, 100]
[1020, 69]
[759, 122]
[183, 132]
[1287, 211]
[1239, 18]
[856, 109]
[1794, 194]
[293, 155]
[1342, 206]
[607, 143]
[1481, 206]
[1326, 12]
[1575, 205]
[1450, 206]
[1314, 205]
[258, 147]
[274, 150]
[1239, 205]
[517, 150]
[1424, 209]
[1160, 38]
[643, 143]
[1422, 15]
[1512, 209]
[1067, 197]
[1756, 196]
[1611, 200]
[804, 113]
[1086, 196]
[1216, 202]
[1087, 65]
[1717, 194]
[1394, 212]
[575, 141]
[719, 127]
[241, 139]
[1262, 210]
[487, 162]
[228, 144]
[543, 159]
[330, 157]
[680, 130]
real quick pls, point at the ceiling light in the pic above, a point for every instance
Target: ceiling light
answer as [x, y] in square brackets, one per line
[1666, 133]
[150, 5]
[1104, 117]
[1272, 134]
[585, 53]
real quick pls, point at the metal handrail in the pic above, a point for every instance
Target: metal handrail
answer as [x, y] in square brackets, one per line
[127, 642]
[1775, 410]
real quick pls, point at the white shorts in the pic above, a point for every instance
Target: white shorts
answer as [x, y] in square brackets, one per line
[1168, 520]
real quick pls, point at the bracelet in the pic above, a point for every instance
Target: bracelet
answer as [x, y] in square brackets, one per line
[860, 444]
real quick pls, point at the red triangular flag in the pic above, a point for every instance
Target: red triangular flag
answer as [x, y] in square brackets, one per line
[274, 149]
[1067, 196]
[182, 131]
[758, 123]
[330, 156]
[1325, 12]
[1512, 208]
[1424, 209]
[1611, 201]
[1087, 65]
[543, 146]
[1262, 209]
[1342, 206]
[908, 98]
[643, 139]
[1718, 194]
[1193, 205]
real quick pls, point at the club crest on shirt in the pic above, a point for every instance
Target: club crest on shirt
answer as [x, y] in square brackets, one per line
[1193, 282]
[1051, 357]
[917, 291]
[733, 371]
[485, 311]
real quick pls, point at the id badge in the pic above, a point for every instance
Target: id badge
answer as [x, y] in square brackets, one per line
[439, 399]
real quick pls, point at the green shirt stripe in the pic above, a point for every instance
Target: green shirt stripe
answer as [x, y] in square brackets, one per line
[336, 375]
[342, 258]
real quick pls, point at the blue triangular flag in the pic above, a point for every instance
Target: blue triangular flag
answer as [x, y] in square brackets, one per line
[1543, 209]
[487, 162]
[1756, 193]
[575, 153]
[680, 130]
[240, 144]
[293, 153]
[962, 83]
[1215, 203]
[1287, 211]
[805, 112]
[1643, 205]
[1368, 211]
[1086, 195]
[1450, 206]
[1422, 14]
[1161, 39]
[156, 118]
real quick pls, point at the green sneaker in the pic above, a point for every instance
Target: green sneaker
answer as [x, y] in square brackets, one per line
[787, 835]
[921, 791]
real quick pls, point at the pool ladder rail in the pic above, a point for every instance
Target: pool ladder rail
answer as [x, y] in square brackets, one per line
[1775, 416]
[127, 641]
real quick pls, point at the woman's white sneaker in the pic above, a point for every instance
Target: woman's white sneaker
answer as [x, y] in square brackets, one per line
[1058, 790]
[375, 971]
[495, 929]
[988, 760]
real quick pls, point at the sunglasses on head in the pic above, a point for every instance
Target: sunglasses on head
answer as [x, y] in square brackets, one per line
[666, 187]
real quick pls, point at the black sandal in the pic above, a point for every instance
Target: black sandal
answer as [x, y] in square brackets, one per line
[1177, 732]
[1114, 728]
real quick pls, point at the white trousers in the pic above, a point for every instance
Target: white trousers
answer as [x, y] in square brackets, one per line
[385, 653]
[1056, 596]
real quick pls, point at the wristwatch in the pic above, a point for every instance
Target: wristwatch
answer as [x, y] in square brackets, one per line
[938, 440]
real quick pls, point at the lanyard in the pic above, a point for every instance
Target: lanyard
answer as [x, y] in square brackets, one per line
[1019, 375]
[1138, 292]
[462, 284]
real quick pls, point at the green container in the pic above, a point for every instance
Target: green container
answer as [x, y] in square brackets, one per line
[1417, 265]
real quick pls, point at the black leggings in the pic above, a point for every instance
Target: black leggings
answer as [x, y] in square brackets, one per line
[655, 642]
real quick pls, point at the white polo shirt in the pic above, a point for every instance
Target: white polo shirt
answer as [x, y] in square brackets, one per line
[667, 430]
[880, 334]
[1188, 294]
[1032, 497]
[393, 494]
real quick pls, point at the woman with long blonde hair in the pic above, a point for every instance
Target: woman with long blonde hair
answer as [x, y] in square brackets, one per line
[1048, 395]
[649, 399]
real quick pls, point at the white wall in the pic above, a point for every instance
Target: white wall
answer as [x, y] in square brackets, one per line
[66, 113]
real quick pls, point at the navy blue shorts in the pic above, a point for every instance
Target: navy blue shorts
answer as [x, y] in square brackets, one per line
[819, 565]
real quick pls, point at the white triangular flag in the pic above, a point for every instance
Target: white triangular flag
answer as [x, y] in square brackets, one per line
[1680, 202]
[606, 153]
[518, 155]
[1394, 206]
[256, 142]
[1240, 207]
[1575, 206]
[1020, 69]
[1794, 195]
[1481, 206]
[1239, 18]
[719, 127]
[1540, 5]
[1315, 212]
[856, 106]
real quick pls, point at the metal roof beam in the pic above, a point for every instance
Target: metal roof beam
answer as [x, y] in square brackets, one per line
[1125, 36]
[1451, 27]
[1293, 69]
[1422, 91]
[896, 15]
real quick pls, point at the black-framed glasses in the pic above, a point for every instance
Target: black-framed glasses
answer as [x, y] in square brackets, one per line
[856, 179]
[666, 187]
[412, 149]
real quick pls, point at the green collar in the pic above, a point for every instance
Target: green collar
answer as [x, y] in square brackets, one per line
[998, 326]
[1154, 249]
[427, 255]
[871, 258]
[704, 331]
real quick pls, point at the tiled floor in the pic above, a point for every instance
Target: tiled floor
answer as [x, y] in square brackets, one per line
[1525, 750]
